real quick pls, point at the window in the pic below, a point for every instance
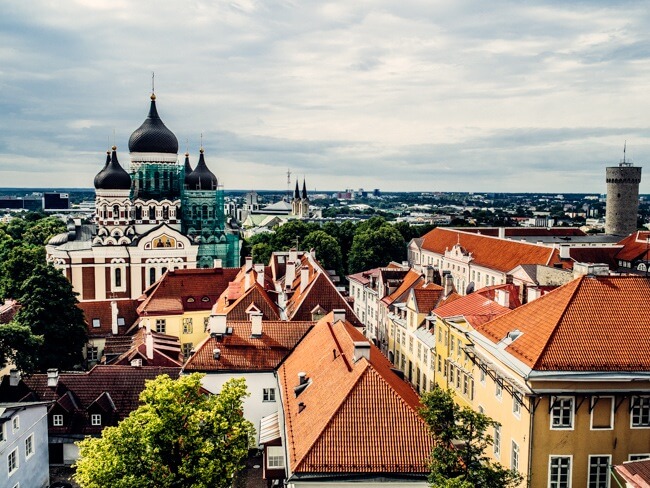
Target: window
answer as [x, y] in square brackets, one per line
[465, 385]
[274, 457]
[410, 344]
[514, 456]
[640, 411]
[602, 413]
[187, 325]
[497, 441]
[118, 277]
[96, 323]
[12, 461]
[15, 423]
[96, 419]
[268, 395]
[516, 405]
[92, 353]
[187, 349]
[161, 326]
[3, 436]
[419, 350]
[206, 323]
[559, 472]
[439, 363]
[598, 472]
[482, 375]
[425, 356]
[498, 389]
[57, 420]
[452, 345]
[638, 457]
[29, 446]
[561, 412]
[451, 375]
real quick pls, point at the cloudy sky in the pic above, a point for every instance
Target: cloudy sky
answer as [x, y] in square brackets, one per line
[397, 95]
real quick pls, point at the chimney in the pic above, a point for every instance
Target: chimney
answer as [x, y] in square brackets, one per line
[14, 377]
[247, 281]
[148, 342]
[302, 378]
[249, 263]
[256, 324]
[565, 251]
[216, 353]
[502, 232]
[52, 377]
[259, 269]
[290, 274]
[361, 350]
[428, 277]
[304, 278]
[293, 255]
[448, 285]
[217, 323]
[114, 313]
[339, 315]
[502, 297]
[217, 263]
[147, 325]
[533, 294]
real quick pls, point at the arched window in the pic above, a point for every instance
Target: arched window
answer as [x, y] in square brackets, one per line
[118, 277]
[195, 212]
[152, 276]
[138, 213]
[116, 212]
[164, 270]
[165, 212]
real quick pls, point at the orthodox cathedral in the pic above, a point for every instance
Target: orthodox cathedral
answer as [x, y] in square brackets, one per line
[160, 215]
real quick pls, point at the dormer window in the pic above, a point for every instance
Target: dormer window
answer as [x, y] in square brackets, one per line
[57, 420]
[96, 323]
[96, 419]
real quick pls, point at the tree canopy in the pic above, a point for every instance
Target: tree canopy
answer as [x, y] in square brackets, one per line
[461, 439]
[179, 437]
[375, 243]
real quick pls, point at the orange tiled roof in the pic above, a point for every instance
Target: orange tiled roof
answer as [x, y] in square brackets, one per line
[186, 289]
[635, 246]
[237, 310]
[590, 324]
[427, 296]
[409, 280]
[358, 416]
[242, 352]
[101, 309]
[490, 252]
[477, 308]
[166, 350]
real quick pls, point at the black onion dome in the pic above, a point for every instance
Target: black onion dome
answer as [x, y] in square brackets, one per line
[188, 168]
[201, 178]
[153, 135]
[113, 176]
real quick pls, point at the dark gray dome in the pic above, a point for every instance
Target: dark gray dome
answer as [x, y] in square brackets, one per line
[201, 178]
[153, 135]
[113, 176]
[188, 168]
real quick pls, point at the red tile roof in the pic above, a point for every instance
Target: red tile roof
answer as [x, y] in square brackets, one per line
[358, 416]
[596, 255]
[427, 296]
[237, 310]
[590, 324]
[408, 281]
[79, 391]
[635, 246]
[477, 308]
[242, 352]
[490, 252]
[101, 309]
[526, 231]
[635, 473]
[186, 290]
[166, 350]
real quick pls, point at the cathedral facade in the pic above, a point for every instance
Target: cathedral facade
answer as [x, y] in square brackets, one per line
[158, 216]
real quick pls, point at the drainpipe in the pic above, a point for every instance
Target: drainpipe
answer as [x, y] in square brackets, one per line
[530, 435]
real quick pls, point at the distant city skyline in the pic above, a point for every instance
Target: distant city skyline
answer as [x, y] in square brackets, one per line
[410, 96]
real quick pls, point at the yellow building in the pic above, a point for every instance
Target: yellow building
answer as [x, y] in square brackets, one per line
[568, 378]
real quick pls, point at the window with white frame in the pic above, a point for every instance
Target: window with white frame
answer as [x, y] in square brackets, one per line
[599, 471]
[29, 446]
[561, 412]
[187, 349]
[559, 475]
[12, 462]
[57, 420]
[96, 323]
[638, 457]
[498, 389]
[482, 375]
[425, 356]
[497, 441]
[92, 353]
[516, 405]
[268, 394]
[15, 423]
[161, 326]
[274, 457]
[188, 328]
[96, 419]
[640, 411]
[514, 456]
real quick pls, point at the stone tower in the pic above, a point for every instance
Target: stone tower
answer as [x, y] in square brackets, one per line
[622, 198]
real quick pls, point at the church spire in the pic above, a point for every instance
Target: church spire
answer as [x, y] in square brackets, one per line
[304, 189]
[296, 192]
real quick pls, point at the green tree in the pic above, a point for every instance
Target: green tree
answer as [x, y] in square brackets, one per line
[43, 230]
[49, 308]
[328, 251]
[286, 235]
[179, 437]
[373, 247]
[261, 252]
[344, 234]
[17, 265]
[19, 346]
[461, 439]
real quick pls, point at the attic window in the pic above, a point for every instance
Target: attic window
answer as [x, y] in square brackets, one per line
[205, 299]
[57, 420]
[190, 300]
[96, 323]
[120, 321]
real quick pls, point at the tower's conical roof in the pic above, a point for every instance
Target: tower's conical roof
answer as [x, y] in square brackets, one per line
[201, 178]
[112, 176]
[188, 167]
[153, 135]
[304, 190]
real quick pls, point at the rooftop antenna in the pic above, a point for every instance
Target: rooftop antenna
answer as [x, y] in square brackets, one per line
[201, 140]
[187, 144]
[288, 183]
[153, 75]
[113, 136]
